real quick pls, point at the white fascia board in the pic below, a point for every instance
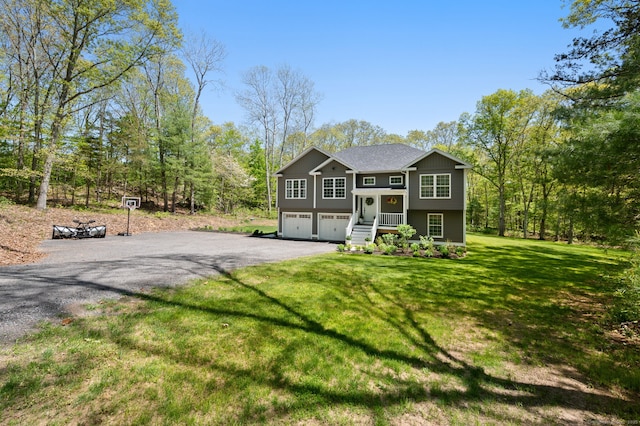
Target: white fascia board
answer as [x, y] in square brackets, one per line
[378, 191]
[328, 161]
[390, 171]
[462, 165]
[302, 154]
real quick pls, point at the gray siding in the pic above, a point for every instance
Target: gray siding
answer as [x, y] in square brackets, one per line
[299, 170]
[382, 180]
[436, 164]
[453, 224]
[386, 207]
[331, 170]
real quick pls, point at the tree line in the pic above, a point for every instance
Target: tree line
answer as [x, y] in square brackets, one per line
[96, 103]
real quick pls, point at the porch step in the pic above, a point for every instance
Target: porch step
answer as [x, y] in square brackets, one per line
[359, 233]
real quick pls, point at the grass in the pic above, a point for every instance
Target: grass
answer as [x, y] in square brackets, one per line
[249, 229]
[243, 229]
[344, 339]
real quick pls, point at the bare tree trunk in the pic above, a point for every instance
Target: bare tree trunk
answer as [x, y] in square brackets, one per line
[192, 197]
[174, 194]
[503, 209]
[570, 236]
[41, 204]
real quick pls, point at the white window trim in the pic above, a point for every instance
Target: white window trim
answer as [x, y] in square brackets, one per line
[441, 226]
[333, 188]
[300, 190]
[435, 186]
[396, 177]
[364, 180]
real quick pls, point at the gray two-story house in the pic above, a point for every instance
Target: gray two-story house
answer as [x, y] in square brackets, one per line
[368, 190]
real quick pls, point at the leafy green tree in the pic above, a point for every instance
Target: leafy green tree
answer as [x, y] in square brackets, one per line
[336, 137]
[606, 65]
[530, 168]
[231, 181]
[134, 135]
[443, 136]
[27, 88]
[601, 160]
[257, 171]
[498, 127]
[204, 55]
[600, 75]
[100, 42]
[280, 104]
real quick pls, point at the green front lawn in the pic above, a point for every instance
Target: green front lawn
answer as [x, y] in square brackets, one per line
[513, 333]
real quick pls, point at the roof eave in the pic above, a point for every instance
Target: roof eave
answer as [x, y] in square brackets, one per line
[299, 156]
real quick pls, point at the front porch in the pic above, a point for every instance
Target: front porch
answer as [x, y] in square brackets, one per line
[376, 209]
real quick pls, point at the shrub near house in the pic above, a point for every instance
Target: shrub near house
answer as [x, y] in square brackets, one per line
[391, 244]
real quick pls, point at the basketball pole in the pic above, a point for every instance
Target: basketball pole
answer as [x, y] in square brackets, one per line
[128, 219]
[130, 203]
[127, 234]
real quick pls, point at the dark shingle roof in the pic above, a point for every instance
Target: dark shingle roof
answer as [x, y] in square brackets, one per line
[379, 158]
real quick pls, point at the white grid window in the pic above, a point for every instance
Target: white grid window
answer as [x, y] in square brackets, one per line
[395, 180]
[369, 180]
[295, 189]
[334, 188]
[435, 225]
[435, 186]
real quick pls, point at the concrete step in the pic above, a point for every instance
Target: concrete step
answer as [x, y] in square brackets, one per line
[358, 235]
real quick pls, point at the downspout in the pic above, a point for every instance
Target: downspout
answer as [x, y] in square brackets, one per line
[464, 207]
[279, 232]
[353, 196]
[315, 185]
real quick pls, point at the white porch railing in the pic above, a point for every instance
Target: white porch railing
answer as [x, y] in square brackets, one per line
[391, 219]
[374, 229]
[352, 221]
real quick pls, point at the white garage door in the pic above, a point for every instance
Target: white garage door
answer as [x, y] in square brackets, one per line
[296, 225]
[332, 227]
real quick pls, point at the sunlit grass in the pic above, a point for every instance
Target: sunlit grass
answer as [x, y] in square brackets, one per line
[338, 339]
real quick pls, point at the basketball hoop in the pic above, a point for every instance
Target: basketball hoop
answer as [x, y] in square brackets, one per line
[130, 203]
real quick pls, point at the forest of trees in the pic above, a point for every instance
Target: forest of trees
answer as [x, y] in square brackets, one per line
[95, 104]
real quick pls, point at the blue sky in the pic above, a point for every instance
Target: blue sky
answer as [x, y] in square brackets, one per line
[401, 65]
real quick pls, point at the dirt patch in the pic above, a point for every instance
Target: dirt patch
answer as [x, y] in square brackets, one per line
[22, 229]
[626, 334]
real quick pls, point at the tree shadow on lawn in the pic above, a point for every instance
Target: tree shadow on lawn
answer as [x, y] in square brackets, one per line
[477, 387]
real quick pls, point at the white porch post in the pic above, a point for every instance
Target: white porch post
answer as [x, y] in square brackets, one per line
[405, 198]
[354, 205]
[315, 181]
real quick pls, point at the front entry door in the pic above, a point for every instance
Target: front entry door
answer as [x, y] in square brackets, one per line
[369, 209]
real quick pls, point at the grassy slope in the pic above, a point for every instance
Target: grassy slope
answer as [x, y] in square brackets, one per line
[343, 339]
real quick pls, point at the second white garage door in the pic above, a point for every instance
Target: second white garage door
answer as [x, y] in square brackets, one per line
[332, 227]
[296, 225]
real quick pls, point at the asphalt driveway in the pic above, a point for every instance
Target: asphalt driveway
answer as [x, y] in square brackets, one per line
[86, 271]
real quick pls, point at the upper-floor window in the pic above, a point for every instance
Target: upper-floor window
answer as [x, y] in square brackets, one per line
[435, 186]
[395, 180]
[334, 187]
[295, 189]
[369, 180]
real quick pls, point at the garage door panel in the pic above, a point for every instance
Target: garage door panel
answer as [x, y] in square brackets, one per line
[296, 225]
[332, 226]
